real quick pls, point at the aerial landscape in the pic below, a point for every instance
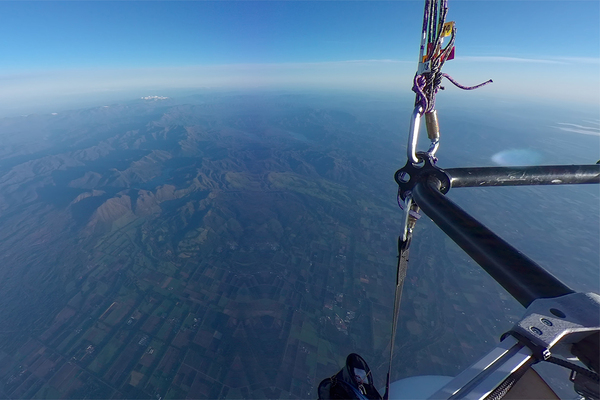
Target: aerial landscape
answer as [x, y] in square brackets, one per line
[191, 251]
[231, 246]
[197, 199]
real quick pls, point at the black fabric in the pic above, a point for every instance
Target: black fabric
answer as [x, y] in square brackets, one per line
[331, 388]
[345, 384]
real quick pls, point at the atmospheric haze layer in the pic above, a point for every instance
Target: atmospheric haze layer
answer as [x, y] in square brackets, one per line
[241, 245]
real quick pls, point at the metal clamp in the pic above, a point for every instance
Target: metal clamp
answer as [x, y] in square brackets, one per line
[548, 322]
[410, 216]
[566, 319]
[407, 176]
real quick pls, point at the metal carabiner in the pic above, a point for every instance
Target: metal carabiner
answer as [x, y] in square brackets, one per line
[433, 132]
[413, 134]
[406, 208]
[411, 215]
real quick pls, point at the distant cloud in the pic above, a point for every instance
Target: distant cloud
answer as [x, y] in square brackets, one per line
[580, 60]
[154, 98]
[24, 92]
[547, 60]
[584, 130]
[313, 64]
[380, 61]
[509, 60]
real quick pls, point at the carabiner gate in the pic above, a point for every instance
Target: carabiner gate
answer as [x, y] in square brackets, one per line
[413, 134]
[433, 132]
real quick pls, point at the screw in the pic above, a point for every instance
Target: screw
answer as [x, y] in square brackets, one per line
[546, 321]
[535, 330]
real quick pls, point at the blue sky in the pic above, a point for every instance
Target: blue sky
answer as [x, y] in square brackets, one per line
[549, 49]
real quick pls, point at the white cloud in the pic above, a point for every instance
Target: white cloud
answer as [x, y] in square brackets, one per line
[584, 130]
[230, 75]
[154, 98]
[496, 59]
[594, 128]
[26, 92]
[544, 60]
[580, 60]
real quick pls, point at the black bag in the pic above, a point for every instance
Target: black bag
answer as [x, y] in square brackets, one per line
[354, 381]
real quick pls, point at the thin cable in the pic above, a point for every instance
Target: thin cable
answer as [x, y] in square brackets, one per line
[574, 367]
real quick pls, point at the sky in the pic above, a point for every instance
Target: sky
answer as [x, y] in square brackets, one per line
[64, 51]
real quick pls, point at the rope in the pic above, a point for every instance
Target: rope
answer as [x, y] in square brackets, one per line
[427, 84]
[418, 86]
[458, 85]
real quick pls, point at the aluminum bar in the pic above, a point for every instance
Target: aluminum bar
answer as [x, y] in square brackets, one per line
[519, 275]
[516, 176]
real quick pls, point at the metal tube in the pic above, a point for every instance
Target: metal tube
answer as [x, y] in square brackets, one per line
[519, 275]
[515, 176]
[433, 125]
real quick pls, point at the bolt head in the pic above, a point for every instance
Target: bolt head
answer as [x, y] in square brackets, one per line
[535, 330]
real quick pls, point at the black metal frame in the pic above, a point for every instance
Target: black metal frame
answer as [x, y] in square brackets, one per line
[524, 279]
[517, 176]
[519, 275]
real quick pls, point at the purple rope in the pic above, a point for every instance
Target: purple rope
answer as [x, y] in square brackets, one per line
[418, 86]
[458, 85]
[425, 16]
